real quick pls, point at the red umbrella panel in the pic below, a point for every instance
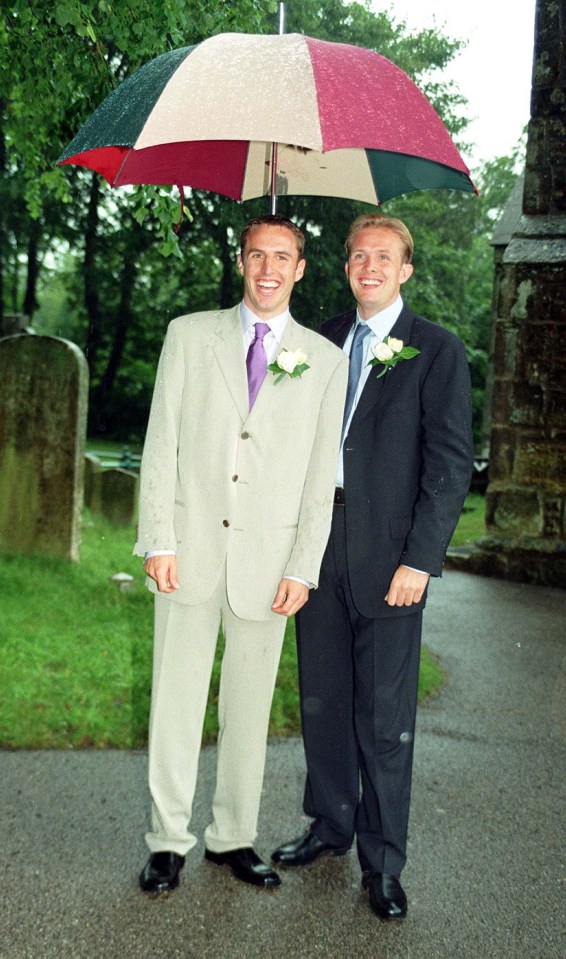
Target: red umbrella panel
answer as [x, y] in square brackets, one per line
[348, 123]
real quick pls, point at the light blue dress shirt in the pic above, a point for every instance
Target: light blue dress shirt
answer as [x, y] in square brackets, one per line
[381, 325]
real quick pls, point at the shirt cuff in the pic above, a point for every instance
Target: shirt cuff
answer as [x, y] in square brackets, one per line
[297, 579]
[160, 552]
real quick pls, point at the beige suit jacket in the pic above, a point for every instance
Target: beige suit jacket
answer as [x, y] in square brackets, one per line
[220, 483]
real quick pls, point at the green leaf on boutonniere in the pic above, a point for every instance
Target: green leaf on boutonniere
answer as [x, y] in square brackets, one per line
[390, 352]
[291, 363]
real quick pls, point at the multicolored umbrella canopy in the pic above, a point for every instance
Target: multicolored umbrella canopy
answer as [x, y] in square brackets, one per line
[346, 122]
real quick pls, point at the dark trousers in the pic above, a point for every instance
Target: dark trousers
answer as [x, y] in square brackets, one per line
[358, 682]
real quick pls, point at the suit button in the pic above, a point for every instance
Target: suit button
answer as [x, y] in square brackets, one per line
[245, 436]
[235, 479]
[225, 522]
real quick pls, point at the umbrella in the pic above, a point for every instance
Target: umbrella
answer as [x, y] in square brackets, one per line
[239, 112]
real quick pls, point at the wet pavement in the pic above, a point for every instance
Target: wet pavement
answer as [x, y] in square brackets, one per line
[485, 878]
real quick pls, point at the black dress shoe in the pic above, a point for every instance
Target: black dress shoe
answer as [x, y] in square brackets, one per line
[161, 872]
[246, 865]
[386, 895]
[305, 849]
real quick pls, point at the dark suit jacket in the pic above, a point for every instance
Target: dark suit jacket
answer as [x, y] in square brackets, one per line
[408, 460]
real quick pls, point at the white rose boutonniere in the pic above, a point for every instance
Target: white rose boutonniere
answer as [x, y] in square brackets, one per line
[291, 363]
[390, 352]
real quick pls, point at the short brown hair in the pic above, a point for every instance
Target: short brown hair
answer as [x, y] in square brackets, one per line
[272, 219]
[382, 222]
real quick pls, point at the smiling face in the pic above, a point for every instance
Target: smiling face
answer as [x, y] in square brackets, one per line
[270, 266]
[376, 269]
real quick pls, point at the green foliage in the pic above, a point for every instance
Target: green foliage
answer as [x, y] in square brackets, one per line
[106, 269]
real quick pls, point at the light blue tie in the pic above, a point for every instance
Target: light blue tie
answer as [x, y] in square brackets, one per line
[356, 356]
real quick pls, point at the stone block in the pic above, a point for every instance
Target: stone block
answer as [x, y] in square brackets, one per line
[501, 454]
[540, 465]
[506, 296]
[556, 415]
[554, 511]
[514, 511]
[541, 341]
[505, 352]
[502, 403]
[521, 561]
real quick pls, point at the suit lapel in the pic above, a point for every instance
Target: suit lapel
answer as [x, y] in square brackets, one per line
[375, 384]
[338, 329]
[291, 339]
[228, 348]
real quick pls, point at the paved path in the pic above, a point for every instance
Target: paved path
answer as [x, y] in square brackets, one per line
[485, 878]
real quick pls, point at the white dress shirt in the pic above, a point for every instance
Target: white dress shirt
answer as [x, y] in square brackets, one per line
[272, 339]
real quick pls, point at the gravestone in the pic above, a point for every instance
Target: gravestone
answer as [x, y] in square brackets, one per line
[93, 469]
[43, 408]
[116, 496]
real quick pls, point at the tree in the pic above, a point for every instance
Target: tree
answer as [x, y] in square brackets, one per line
[124, 270]
[57, 62]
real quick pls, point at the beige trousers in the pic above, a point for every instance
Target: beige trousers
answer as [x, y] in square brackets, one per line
[184, 647]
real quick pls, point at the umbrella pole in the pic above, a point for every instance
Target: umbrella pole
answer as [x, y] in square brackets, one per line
[273, 177]
[274, 150]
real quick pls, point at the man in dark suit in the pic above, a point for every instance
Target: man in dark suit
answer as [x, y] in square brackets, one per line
[404, 470]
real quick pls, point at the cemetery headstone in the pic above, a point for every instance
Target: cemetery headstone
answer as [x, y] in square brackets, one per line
[43, 410]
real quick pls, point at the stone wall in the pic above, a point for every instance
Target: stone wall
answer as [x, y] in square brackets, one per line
[526, 497]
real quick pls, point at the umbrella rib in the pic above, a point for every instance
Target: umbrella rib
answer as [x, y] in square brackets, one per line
[121, 167]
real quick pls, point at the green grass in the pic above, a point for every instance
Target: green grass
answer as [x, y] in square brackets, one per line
[75, 652]
[70, 645]
[471, 524]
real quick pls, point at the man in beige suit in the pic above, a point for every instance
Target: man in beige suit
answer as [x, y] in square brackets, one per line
[237, 482]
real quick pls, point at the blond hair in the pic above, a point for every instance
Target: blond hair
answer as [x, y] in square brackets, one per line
[381, 222]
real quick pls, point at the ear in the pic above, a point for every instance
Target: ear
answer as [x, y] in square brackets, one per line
[347, 271]
[300, 271]
[405, 272]
[240, 265]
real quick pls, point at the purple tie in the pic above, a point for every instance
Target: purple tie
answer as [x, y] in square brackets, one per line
[256, 361]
